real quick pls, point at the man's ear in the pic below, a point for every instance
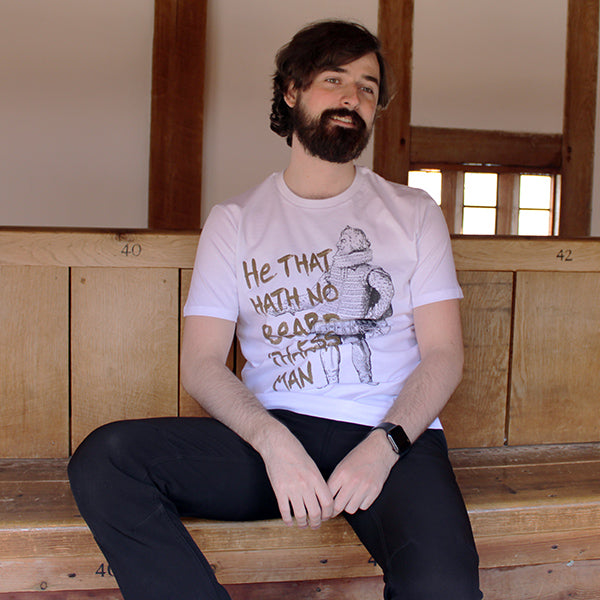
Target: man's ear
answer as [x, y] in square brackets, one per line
[291, 96]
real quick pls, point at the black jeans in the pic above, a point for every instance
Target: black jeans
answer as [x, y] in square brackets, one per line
[134, 480]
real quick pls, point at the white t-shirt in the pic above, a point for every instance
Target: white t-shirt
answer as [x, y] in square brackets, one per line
[323, 291]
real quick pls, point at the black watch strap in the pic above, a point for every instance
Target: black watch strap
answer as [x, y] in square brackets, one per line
[397, 437]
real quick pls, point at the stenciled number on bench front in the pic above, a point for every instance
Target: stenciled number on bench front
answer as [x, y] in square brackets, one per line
[102, 570]
[131, 250]
[565, 255]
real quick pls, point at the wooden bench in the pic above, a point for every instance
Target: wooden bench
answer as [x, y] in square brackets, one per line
[89, 332]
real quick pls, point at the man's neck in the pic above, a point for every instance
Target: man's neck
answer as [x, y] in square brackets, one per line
[316, 179]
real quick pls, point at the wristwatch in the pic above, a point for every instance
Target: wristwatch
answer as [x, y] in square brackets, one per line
[396, 436]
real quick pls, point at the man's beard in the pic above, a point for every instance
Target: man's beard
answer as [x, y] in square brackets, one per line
[323, 138]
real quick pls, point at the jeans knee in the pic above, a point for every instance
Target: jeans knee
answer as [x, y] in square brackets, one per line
[90, 467]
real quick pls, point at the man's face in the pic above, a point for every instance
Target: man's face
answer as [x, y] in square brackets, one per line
[333, 118]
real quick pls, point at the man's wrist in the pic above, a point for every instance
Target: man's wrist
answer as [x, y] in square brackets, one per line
[396, 437]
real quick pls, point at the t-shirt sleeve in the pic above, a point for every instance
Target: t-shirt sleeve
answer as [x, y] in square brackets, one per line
[434, 278]
[213, 290]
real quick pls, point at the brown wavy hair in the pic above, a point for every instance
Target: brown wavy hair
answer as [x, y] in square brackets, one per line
[316, 48]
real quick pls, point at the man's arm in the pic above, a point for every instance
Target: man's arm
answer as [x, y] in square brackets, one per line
[296, 481]
[357, 480]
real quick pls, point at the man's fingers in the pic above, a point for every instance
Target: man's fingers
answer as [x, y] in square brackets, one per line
[285, 510]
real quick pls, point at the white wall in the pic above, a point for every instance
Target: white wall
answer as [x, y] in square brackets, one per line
[76, 76]
[75, 80]
[489, 65]
[239, 148]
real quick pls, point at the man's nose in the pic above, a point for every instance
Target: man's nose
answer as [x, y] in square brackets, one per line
[350, 98]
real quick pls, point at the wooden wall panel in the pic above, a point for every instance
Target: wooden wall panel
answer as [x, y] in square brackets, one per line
[556, 358]
[476, 413]
[34, 362]
[124, 324]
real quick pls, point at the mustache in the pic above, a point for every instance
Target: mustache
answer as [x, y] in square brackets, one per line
[357, 120]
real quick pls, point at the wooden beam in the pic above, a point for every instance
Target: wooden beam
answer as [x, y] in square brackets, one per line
[441, 145]
[507, 214]
[177, 114]
[392, 132]
[579, 118]
[453, 188]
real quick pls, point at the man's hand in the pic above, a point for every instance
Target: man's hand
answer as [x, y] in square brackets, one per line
[358, 479]
[301, 491]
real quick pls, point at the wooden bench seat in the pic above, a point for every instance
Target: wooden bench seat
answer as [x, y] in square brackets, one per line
[528, 505]
[90, 326]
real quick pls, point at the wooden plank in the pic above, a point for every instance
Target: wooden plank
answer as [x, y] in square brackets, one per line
[579, 118]
[476, 413]
[177, 114]
[575, 580]
[392, 130]
[72, 248]
[360, 588]
[33, 469]
[34, 354]
[523, 254]
[84, 572]
[442, 146]
[147, 249]
[552, 581]
[555, 375]
[512, 496]
[65, 595]
[291, 564]
[525, 456]
[363, 588]
[540, 548]
[124, 347]
[522, 513]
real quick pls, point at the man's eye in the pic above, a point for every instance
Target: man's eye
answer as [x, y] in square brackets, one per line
[368, 90]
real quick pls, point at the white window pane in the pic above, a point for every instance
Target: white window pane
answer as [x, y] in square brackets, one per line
[480, 189]
[479, 221]
[536, 192]
[534, 222]
[430, 181]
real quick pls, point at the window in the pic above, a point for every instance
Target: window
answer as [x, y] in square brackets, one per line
[480, 203]
[429, 180]
[488, 203]
[536, 199]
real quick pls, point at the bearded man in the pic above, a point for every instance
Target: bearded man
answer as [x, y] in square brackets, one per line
[306, 453]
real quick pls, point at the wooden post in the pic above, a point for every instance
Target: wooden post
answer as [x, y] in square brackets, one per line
[453, 187]
[392, 132]
[579, 118]
[177, 114]
[507, 214]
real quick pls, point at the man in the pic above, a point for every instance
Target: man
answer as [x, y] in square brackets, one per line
[292, 440]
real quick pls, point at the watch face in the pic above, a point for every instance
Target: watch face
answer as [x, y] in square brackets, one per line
[399, 440]
[393, 443]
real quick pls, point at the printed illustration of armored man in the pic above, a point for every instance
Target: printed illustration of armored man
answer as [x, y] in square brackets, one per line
[364, 302]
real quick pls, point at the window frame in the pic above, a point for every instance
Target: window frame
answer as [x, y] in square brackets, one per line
[507, 195]
[396, 144]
